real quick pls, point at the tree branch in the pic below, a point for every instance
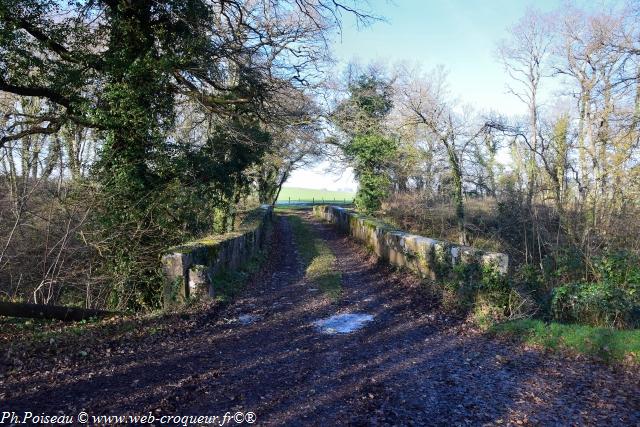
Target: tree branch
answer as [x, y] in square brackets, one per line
[52, 127]
[41, 92]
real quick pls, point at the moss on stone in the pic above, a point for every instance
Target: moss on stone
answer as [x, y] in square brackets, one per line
[249, 224]
[236, 246]
[442, 265]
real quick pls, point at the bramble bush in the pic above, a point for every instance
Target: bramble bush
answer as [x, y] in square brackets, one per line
[485, 291]
[612, 299]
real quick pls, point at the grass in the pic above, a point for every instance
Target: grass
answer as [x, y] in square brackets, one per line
[318, 259]
[309, 194]
[602, 343]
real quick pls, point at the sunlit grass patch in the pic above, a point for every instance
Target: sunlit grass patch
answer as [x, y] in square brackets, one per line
[604, 343]
[318, 259]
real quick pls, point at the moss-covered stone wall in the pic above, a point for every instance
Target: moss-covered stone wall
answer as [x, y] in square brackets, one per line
[430, 258]
[188, 268]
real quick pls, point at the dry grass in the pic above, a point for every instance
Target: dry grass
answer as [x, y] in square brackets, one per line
[415, 213]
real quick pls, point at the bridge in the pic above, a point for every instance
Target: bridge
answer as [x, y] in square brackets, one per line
[280, 352]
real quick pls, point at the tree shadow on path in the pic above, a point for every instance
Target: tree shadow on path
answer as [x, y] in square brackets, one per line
[413, 365]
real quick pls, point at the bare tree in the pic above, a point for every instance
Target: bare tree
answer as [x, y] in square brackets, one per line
[524, 56]
[424, 102]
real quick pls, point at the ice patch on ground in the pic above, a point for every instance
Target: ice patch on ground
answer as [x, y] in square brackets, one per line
[247, 319]
[342, 323]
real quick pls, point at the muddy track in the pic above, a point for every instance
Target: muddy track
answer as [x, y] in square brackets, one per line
[413, 365]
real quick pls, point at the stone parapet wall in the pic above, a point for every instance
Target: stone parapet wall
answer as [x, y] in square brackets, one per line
[188, 269]
[429, 258]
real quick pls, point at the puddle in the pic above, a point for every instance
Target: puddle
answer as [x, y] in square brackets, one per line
[342, 323]
[247, 319]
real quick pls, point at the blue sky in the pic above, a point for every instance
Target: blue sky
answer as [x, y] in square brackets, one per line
[462, 35]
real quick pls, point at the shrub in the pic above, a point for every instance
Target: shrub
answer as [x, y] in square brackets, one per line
[482, 289]
[373, 188]
[569, 265]
[597, 304]
[485, 292]
[531, 281]
[612, 299]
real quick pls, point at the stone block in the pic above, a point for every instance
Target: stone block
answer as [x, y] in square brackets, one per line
[199, 282]
[188, 268]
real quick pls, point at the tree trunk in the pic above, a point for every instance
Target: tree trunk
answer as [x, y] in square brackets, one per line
[582, 148]
[532, 166]
[283, 179]
[458, 195]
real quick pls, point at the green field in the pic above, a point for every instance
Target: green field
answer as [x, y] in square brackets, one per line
[309, 194]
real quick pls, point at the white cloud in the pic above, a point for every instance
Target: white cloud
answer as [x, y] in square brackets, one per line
[323, 176]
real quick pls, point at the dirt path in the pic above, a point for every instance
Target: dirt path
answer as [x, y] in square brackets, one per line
[413, 365]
